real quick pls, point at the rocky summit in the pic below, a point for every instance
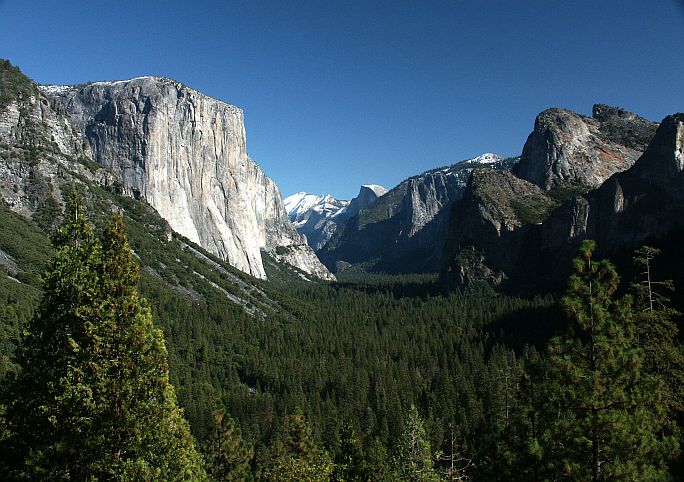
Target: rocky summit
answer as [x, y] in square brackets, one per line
[185, 154]
[567, 148]
[543, 229]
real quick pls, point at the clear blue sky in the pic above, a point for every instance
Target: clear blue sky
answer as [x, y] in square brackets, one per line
[341, 93]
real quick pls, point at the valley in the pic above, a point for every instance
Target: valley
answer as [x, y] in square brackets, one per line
[316, 337]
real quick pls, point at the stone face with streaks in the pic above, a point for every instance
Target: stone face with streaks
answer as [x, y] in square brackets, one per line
[567, 148]
[185, 154]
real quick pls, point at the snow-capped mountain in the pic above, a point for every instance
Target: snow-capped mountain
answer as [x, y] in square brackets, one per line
[486, 158]
[312, 215]
[301, 207]
[317, 217]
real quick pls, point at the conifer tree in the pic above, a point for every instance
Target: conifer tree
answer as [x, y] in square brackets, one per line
[414, 459]
[349, 462]
[657, 332]
[229, 457]
[609, 413]
[93, 399]
[378, 463]
[297, 458]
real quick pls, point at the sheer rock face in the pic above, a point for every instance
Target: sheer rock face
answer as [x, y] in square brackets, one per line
[39, 148]
[566, 148]
[647, 201]
[633, 207]
[368, 193]
[404, 230]
[185, 154]
[32, 122]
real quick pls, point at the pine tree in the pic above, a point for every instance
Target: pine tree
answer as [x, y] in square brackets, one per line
[297, 458]
[657, 332]
[609, 414]
[457, 464]
[229, 457]
[93, 400]
[413, 459]
[349, 462]
[525, 456]
[378, 462]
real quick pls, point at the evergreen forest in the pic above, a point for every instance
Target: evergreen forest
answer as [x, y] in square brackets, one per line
[128, 353]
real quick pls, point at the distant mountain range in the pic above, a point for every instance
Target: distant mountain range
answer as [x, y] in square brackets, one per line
[614, 177]
[317, 217]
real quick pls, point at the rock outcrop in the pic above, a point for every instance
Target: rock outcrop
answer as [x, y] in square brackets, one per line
[367, 195]
[404, 230]
[567, 148]
[646, 201]
[643, 204]
[314, 216]
[40, 151]
[185, 154]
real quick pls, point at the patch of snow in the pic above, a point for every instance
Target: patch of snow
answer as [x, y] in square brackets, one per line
[341, 211]
[54, 89]
[114, 82]
[486, 158]
[378, 190]
[297, 205]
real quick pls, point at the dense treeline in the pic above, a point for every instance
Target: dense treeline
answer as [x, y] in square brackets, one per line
[386, 378]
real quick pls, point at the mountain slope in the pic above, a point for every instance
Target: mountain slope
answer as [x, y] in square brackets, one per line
[185, 154]
[642, 204]
[312, 215]
[566, 148]
[404, 230]
[317, 217]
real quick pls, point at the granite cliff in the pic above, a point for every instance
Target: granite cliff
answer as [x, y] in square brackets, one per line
[404, 230]
[185, 154]
[641, 204]
[567, 148]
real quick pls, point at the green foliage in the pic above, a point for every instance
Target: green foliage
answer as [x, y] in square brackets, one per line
[379, 465]
[93, 399]
[363, 350]
[228, 456]
[610, 412]
[564, 192]
[414, 460]
[350, 465]
[657, 335]
[532, 209]
[297, 457]
[13, 84]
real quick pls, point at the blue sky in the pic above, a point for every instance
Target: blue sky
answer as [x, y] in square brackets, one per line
[338, 94]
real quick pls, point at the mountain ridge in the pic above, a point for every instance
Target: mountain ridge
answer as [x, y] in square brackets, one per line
[185, 153]
[403, 231]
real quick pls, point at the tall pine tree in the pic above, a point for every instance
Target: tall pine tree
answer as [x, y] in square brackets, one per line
[609, 413]
[296, 458]
[93, 399]
[413, 458]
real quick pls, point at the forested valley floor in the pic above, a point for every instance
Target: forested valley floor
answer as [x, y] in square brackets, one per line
[388, 378]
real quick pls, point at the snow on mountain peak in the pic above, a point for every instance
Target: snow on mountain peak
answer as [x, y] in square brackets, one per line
[299, 206]
[486, 158]
[378, 190]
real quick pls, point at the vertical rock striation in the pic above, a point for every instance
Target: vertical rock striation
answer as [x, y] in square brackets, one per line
[404, 230]
[567, 148]
[185, 154]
